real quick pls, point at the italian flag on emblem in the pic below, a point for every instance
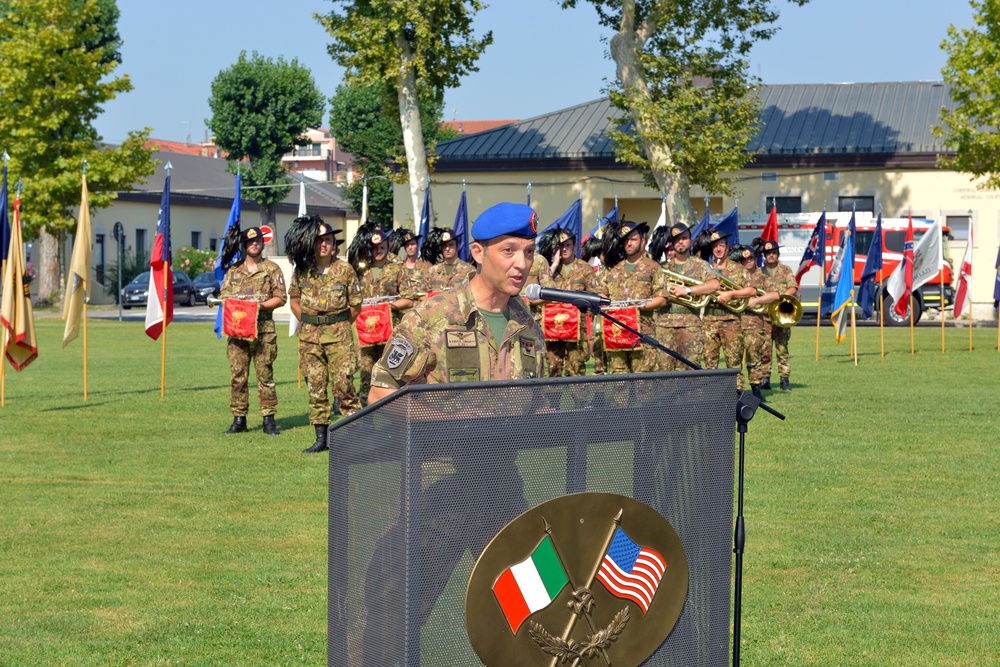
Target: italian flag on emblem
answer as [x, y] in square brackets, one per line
[530, 585]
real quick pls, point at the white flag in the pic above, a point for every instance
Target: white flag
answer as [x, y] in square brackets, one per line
[293, 322]
[928, 255]
[662, 220]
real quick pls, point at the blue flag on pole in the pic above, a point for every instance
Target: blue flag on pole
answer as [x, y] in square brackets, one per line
[462, 229]
[730, 225]
[844, 294]
[869, 274]
[4, 221]
[572, 221]
[705, 223]
[220, 271]
[996, 286]
[425, 217]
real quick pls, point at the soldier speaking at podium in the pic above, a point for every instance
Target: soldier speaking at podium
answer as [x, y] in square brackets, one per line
[477, 331]
[253, 279]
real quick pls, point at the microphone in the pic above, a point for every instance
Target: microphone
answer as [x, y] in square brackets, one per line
[580, 299]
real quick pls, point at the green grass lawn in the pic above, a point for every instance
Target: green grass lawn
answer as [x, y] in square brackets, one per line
[134, 533]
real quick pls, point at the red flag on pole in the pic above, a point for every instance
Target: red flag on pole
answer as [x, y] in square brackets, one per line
[160, 302]
[964, 278]
[902, 305]
[770, 232]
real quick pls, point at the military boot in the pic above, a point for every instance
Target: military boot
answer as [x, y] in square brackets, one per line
[320, 444]
[785, 385]
[755, 389]
[767, 385]
[269, 426]
[239, 425]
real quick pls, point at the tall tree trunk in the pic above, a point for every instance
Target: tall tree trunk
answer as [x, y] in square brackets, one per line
[626, 46]
[268, 217]
[413, 135]
[47, 261]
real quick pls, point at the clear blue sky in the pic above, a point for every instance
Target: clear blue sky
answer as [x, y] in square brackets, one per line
[543, 58]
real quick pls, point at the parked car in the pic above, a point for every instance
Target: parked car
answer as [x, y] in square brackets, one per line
[206, 285]
[137, 291]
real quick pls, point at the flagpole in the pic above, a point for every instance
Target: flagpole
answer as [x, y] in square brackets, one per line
[819, 300]
[3, 276]
[854, 333]
[913, 350]
[163, 291]
[84, 346]
[881, 312]
[970, 323]
[562, 561]
[944, 316]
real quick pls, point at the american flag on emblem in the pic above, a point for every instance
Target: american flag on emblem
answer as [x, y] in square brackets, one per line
[631, 572]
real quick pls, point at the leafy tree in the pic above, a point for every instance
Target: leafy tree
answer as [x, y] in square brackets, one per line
[57, 61]
[683, 82]
[417, 48]
[260, 111]
[973, 70]
[362, 118]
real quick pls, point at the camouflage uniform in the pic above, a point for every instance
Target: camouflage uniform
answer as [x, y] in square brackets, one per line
[327, 347]
[416, 275]
[539, 273]
[442, 277]
[392, 281]
[264, 282]
[645, 281]
[444, 339]
[722, 328]
[779, 280]
[756, 335]
[597, 329]
[564, 355]
[679, 327]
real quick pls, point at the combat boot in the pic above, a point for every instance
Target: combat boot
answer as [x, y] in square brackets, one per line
[767, 385]
[239, 425]
[320, 444]
[755, 389]
[785, 385]
[269, 426]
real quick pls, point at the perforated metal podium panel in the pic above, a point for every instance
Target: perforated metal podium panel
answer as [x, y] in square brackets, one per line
[421, 482]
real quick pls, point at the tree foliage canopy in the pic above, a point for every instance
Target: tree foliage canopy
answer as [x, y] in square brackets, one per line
[683, 82]
[58, 60]
[260, 110]
[972, 129]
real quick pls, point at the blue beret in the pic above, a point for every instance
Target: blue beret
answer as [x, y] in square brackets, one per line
[506, 218]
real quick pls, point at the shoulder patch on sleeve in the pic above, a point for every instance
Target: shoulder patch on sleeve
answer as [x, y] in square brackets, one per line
[400, 350]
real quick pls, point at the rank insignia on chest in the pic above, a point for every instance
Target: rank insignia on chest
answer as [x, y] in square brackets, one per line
[528, 347]
[399, 351]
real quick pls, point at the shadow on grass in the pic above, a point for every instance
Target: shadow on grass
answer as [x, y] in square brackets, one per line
[81, 406]
[293, 421]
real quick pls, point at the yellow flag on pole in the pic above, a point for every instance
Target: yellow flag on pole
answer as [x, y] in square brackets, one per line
[16, 314]
[78, 280]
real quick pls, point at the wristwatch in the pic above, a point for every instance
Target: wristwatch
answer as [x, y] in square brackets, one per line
[688, 290]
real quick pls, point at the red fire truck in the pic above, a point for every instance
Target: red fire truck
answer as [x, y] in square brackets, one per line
[795, 230]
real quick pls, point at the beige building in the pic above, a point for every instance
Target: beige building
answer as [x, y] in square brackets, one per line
[837, 146]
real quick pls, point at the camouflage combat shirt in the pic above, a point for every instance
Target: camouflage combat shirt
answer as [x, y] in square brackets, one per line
[577, 276]
[735, 272]
[676, 315]
[264, 282]
[644, 282]
[441, 277]
[332, 293]
[780, 279]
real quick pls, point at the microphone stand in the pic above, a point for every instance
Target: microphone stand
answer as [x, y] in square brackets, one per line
[746, 407]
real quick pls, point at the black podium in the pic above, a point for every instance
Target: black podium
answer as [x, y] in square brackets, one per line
[422, 480]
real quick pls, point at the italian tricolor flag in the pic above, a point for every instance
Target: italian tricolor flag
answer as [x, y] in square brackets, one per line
[530, 585]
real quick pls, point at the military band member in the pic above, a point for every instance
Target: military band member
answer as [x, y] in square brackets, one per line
[480, 330]
[406, 245]
[723, 332]
[593, 254]
[568, 357]
[632, 276]
[756, 326]
[254, 279]
[441, 251]
[326, 298]
[781, 280]
[379, 276]
[678, 324]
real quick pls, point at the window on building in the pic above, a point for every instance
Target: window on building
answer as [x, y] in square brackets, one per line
[769, 177]
[213, 244]
[831, 176]
[959, 225]
[140, 246]
[99, 258]
[849, 204]
[784, 204]
[196, 240]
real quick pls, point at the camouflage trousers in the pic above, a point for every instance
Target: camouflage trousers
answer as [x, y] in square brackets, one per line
[597, 352]
[367, 358]
[262, 351]
[331, 364]
[567, 357]
[642, 360]
[685, 341]
[724, 336]
[757, 346]
[779, 337]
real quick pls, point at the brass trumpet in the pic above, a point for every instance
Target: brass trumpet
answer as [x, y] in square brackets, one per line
[689, 300]
[736, 306]
[785, 312]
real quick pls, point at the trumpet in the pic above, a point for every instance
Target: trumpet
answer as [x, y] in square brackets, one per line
[736, 306]
[376, 300]
[689, 300]
[628, 303]
[216, 301]
[786, 312]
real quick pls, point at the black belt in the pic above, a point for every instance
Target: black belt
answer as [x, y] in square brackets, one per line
[324, 319]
